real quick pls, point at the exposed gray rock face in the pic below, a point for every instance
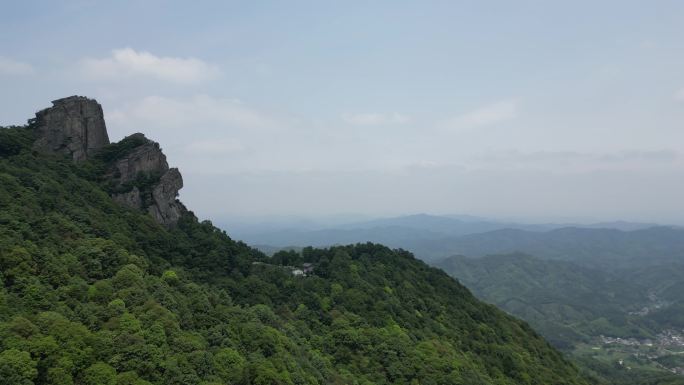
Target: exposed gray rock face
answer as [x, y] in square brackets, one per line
[146, 158]
[130, 199]
[141, 177]
[73, 126]
[147, 164]
[166, 208]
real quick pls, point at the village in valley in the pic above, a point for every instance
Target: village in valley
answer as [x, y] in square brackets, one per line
[665, 351]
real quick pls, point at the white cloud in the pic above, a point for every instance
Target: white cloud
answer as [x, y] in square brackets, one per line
[126, 63]
[375, 119]
[205, 134]
[484, 116]
[13, 67]
[186, 113]
[679, 95]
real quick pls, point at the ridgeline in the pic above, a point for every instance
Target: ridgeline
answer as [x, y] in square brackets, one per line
[106, 278]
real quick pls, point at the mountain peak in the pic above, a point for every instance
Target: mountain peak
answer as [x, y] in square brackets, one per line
[136, 168]
[73, 126]
[143, 180]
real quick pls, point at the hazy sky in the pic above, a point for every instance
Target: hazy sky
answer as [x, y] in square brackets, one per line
[526, 109]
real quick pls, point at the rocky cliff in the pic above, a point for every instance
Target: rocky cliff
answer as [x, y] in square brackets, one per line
[142, 179]
[136, 170]
[73, 126]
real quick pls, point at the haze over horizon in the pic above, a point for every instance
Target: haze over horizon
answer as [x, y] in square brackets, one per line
[383, 109]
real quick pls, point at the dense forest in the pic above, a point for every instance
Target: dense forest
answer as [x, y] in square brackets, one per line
[95, 293]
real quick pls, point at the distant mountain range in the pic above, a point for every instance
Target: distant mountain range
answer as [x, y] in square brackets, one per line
[433, 237]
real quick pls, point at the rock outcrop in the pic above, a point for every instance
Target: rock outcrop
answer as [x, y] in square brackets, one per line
[144, 181]
[137, 172]
[73, 126]
[166, 208]
[146, 157]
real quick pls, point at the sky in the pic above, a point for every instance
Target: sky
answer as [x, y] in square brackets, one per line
[528, 110]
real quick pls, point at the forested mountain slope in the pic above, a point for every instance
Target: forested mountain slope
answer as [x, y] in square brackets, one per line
[564, 302]
[95, 290]
[624, 326]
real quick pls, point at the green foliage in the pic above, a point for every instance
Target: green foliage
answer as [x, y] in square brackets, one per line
[14, 139]
[170, 277]
[229, 365]
[93, 293]
[117, 150]
[99, 373]
[17, 367]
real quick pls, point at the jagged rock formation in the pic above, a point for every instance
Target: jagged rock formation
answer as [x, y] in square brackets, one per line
[137, 171]
[73, 126]
[145, 157]
[166, 208]
[143, 180]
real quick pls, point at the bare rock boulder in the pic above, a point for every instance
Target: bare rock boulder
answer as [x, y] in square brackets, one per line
[155, 186]
[146, 158]
[166, 208]
[131, 199]
[73, 126]
[137, 171]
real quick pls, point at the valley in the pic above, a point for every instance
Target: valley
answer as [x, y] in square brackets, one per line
[665, 352]
[342, 192]
[590, 291]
